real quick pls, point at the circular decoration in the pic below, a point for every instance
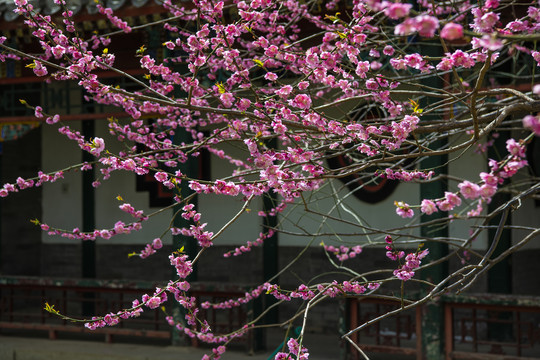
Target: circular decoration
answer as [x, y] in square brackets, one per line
[376, 188]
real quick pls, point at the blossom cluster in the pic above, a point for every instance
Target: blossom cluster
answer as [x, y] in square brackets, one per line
[332, 290]
[250, 244]
[303, 292]
[412, 261]
[482, 192]
[120, 227]
[343, 253]
[408, 263]
[150, 249]
[228, 304]
[21, 183]
[404, 175]
[295, 351]
[183, 266]
[533, 123]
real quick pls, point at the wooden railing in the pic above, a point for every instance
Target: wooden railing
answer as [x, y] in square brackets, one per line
[398, 334]
[476, 327]
[22, 301]
[491, 326]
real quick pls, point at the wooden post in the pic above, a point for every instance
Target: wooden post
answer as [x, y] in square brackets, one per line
[190, 169]
[353, 324]
[270, 253]
[448, 332]
[418, 333]
[88, 221]
[432, 321]
[499, 278]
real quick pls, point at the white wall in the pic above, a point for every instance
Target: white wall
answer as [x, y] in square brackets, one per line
[217, 210]
[466, 165]
[123, 183]
[62, 203]
[381, 215]
[60, 200]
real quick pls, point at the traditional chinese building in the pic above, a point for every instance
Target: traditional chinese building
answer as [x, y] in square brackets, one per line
[27, 253]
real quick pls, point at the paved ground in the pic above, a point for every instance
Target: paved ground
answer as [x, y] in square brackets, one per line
[32, 348]
[16, 348]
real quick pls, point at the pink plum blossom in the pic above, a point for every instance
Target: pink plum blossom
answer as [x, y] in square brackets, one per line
[396, 10]
[426, 25]
[388, 50]
[302, 101]
[407, 27]
[98, 145]
[161, 176]
[428, 207]
[404, 210]
[452, 31]
[533, 123]
[39, 69]
[515, 148]
[157, 244]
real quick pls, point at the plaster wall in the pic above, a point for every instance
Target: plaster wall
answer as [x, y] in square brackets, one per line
[62, 199]
[62, 204]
